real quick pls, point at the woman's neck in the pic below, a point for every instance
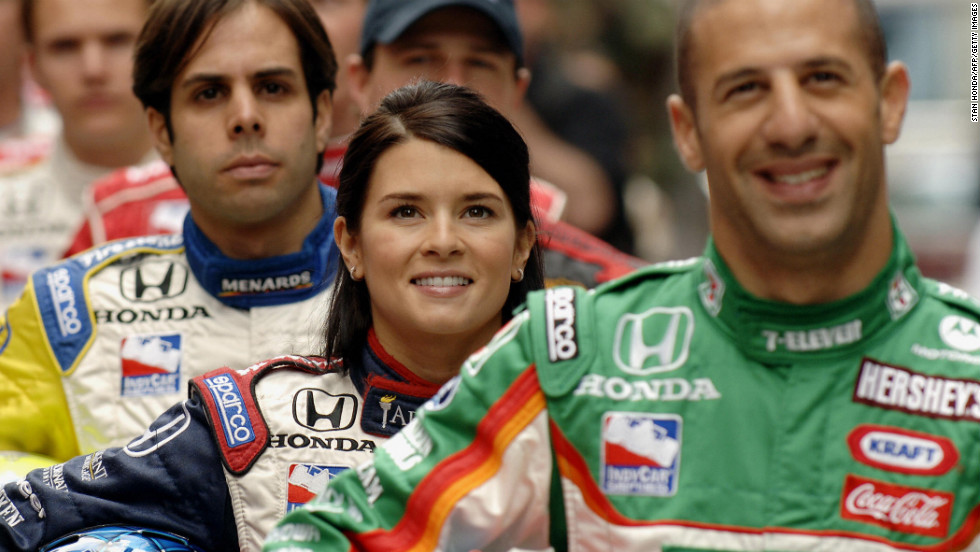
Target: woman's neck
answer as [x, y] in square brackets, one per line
[433, 358]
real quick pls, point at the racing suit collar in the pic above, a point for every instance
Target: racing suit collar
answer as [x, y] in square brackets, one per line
[392, 393]
[272, 281]
[776, 332]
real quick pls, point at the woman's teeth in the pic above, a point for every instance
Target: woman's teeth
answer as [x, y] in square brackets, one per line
[438, 281]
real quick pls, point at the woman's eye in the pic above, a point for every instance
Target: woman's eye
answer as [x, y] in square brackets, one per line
[404, 211]
[479, 212]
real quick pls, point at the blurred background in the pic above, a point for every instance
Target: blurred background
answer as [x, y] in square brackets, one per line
[621, 49]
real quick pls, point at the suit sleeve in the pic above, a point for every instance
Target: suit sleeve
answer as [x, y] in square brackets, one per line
[169, 479]
[34, 414]
[472, 471]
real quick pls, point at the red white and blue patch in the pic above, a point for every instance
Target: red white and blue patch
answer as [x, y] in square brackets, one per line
[305, 481]
[150, 364]
[640, 453]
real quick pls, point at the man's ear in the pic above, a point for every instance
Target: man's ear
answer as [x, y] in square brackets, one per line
[523, 82]
[324, 119]
[36, 74]
[893, 100]
[359, 79]
[161, 135]
[685, 132]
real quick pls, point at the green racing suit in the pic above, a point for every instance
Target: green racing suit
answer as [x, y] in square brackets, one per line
[672, 410]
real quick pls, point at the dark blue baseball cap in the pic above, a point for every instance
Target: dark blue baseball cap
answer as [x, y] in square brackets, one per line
[386, 20]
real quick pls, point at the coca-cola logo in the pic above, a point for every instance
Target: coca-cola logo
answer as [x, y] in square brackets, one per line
[896, 507]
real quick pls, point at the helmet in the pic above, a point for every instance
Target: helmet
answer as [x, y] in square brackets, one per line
[120, 538]
[14, 465]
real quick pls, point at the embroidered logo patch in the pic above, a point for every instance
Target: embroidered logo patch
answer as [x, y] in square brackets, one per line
[386, 412]
[150, 364]
[960, 333]
[896, 507]
[654, 341]
[897, 388]
[305, 481]
[640, 453]
[562, 338]
[235, 421]
[903, 451]
[153, 280]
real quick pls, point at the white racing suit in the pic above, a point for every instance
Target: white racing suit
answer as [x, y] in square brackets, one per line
[102, 343]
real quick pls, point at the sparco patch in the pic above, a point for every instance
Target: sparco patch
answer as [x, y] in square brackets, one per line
[641, 453]
[896, 507]
[901, 450]
[235, 421]
[4, 333]
[560, 310]
[305, 481]
[897, 388]
[150, 364]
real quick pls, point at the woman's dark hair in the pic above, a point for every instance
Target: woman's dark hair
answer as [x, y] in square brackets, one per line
[448, 115]
[174, 27]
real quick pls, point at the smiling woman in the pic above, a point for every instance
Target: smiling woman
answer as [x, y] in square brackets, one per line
[435, 229]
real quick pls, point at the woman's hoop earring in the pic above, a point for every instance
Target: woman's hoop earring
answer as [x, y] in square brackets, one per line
[520, 275]
[353, 273]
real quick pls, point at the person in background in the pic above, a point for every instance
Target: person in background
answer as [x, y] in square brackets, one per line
[571, 109]
[799, 387]
[147, 200]
[80, 53]
[101, 343]
[437, 235]
[27, 121]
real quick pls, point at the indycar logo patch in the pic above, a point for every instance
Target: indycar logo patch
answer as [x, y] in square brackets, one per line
[150, 364]
[640, 453]
[305, 481]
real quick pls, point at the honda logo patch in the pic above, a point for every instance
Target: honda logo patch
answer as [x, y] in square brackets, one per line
[320, 411]
[655, 341]
[153, 280]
